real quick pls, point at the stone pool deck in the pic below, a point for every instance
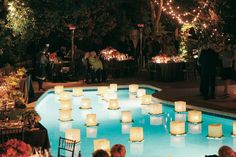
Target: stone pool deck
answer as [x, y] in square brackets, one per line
[171, 91]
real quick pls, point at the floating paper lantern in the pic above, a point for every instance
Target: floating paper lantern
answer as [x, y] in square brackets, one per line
[180, 106]
[73, 134]
[234, 129]
[133, 88]
[64, 96]
[91, 132]
[177, 128]
[113, 104]
[156, 120]
[65, 115]
[102, 90]
[86, 103]
[126, 117]
[141, 92]
[113, 87]
[103, 144]
[215, 130]
[91, 120]
[136, 134]
[78, 91]
[66, 104]
[126, 128]
[146, 99]
[194, 128]
[58, 89]
[155, 109]
[195, 116]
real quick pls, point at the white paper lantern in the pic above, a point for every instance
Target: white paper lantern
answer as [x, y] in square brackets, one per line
[194, 128]
[155, 109]
[126, 117]
[73, 134]
[141, 92]
[65, 115]
[66, 104]
[136, 134]
[91, 132]
[103, 144]
[133, 88]
[215, 130]
[78, 91]
[91, 120]
[109, 94]
[180, 106]
[113, 87]
[113, 104]
[195, 116]
[146, 99]
[234, 129]
[177, 128]
[58, 89]
[64, 96]
[86, 103]
[156, 120]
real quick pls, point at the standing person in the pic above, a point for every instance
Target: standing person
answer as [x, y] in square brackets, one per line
[227, 57]
[42, 69]
[208, 60]
[86, 67]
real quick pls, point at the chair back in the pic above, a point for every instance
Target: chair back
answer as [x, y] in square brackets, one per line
[66, 147]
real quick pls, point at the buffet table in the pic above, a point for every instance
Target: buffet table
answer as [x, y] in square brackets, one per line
[166, 71]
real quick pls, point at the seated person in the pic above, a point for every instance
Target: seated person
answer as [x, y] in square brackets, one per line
[100, 153]
[118, 150]
[226, 151]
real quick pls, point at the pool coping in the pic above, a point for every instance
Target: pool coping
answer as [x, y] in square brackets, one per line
[170, 103]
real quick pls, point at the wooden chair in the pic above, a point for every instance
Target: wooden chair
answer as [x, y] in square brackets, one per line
[66, 147]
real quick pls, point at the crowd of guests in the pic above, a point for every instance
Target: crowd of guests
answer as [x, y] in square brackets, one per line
[118, 150]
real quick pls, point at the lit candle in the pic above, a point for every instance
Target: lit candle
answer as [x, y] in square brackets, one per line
[73, 134]
[234, 128]
[91, 132]
[141, 92]
[103, 144]
[146, 99]
[113, 87]
[126, 117]
[155, 109]
[58, 89]
[86, 103]
[64, 96]
[66, 104]
[136, 134]
[180, 106]
[195, 116]
[65, 115]
[78, 91]
[91, 120]
[133, 88]
[113, 104]
[215, 130]
[177, 128]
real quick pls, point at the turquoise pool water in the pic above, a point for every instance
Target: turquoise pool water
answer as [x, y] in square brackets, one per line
[157, 140]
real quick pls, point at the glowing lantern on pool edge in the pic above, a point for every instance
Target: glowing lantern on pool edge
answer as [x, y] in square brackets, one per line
[180, 106]
[141, 92]
[126, 117]
[234, 129]
[136, 134]
[66, 104]
[58, 89]
[91, 120]
[64, 96]
[65, 115]
[103, 144]
[146, 99]
[215, 130]
[86, 103]
[133, 88]
[113, 87]
[155, 109]
[195, 116]
[113, 104]
[177, 128]
[78, 91]
[73, 134]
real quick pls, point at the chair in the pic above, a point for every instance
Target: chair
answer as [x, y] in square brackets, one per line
[11, 133]
[67, 147]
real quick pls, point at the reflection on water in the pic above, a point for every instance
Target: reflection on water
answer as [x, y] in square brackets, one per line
[125, 128]
[194, 128]
[136, 148]
[91, 132]
[180, 117]
[65, 125]
[144, 109]
[156, 120]
[114, 114]
[177, 141]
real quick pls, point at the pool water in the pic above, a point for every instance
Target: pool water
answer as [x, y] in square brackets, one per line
[157, 140]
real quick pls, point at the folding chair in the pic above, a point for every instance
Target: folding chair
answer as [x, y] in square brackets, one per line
[66, 147]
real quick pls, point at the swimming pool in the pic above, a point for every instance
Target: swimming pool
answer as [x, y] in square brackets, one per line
[157, 140]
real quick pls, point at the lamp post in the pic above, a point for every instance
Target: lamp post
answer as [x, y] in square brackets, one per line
[142, 61]
[72, 29]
